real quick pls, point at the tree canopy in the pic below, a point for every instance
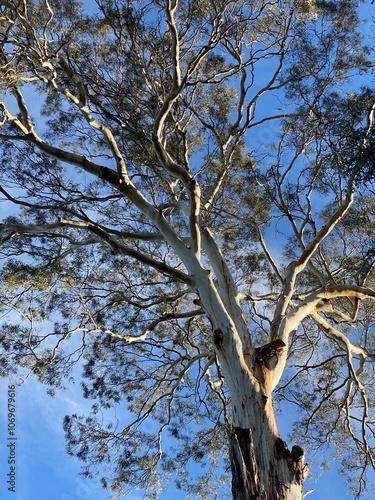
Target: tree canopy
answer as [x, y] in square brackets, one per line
[188, 215]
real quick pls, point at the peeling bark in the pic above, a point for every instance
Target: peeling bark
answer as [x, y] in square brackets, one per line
[263, 468]
[244, 465]
[274, 473]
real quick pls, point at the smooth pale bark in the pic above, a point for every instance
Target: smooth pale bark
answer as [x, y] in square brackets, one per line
[262, 466]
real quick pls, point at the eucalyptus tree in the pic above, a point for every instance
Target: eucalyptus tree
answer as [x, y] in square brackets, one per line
[187, 189]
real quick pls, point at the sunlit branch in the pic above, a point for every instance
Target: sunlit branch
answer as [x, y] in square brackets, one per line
[162, 319]
[370, 121]
[352, 374]
[295, 267]
[127, 188]
[333, 332]
[80, 102]
[8, 231]
[318, 300]
[176, 79]
[226, 285]
[258, 298]
[328, 226]
[268, 253]
[283, 326]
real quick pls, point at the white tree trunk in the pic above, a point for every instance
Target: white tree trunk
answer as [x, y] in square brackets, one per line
[262, 466]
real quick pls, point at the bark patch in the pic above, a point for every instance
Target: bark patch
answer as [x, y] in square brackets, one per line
[218, 338]
[245, 477]
[274, 348]
[294, 459]
[260, 475]
[109, 175]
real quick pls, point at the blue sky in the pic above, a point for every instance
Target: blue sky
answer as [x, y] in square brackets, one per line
[45, 472]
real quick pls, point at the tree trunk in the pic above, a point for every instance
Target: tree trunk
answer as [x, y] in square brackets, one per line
[264, 474]
[262, 466]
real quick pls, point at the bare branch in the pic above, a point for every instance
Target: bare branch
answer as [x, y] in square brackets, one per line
[163, 319]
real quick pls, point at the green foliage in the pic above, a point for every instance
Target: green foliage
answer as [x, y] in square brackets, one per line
[240, 132]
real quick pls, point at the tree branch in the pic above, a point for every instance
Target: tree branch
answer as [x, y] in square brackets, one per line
[163, 319]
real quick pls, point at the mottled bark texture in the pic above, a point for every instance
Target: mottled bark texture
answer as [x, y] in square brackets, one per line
[272, 474]
[263, 468]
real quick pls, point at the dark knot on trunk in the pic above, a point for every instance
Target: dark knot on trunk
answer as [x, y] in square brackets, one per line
[269, 350]
[218, 338]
